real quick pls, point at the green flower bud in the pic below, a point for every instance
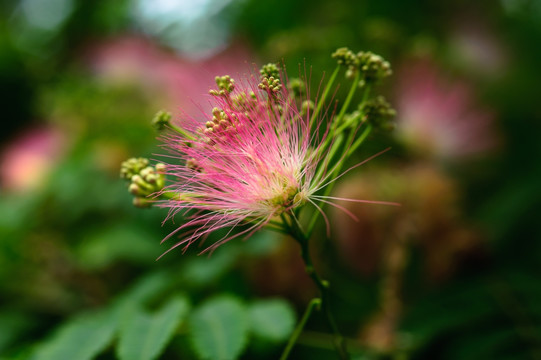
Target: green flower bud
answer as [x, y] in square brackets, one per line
[307, 106]
[160, 168]
[161, 120]
[134, 189]
[296, 87]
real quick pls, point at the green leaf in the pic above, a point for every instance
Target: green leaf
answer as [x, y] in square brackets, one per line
[144, 336]
[129, 242]
[262, 243]
[12, 325]
[144, 290]
[273, 320]
[219, 329]
[204, 270]
[81, 338]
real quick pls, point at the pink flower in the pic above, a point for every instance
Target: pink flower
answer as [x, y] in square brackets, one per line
[439, 118]
[28, 160]
[257, 157]
[134, 60]
[250, 163]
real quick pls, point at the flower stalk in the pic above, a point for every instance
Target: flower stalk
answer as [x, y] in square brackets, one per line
[314, 303]
[323, 286]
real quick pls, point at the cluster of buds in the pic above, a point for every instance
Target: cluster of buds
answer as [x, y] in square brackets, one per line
[225, 84]
[270, 85]
[371, 66]
[220, 122]
[270, 70]
[378, 113]
[347, 58]
[270, 79]
[144, 179]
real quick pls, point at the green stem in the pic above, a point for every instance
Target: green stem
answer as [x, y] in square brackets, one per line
[366, 93]
[321, 101]
[329, 139]
[360, 140]
[348, 123]
[169, 195]
[181, 131]
[328, 158]
[300, 326]
[345, 106]
[323, 285]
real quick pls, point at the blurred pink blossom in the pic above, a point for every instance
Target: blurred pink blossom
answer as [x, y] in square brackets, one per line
[176, 82]
[28, 159]
[438, 117]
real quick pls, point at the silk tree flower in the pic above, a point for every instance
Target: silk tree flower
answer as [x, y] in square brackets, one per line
[253, 160]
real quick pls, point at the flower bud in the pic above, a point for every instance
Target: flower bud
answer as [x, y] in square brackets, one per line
[161, 120]
[134, 189]
[296, 87]
[307, 106]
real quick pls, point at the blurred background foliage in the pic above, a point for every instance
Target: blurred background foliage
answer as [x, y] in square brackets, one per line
[453, 274]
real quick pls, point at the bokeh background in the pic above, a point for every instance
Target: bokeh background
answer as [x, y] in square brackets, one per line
[455, 273]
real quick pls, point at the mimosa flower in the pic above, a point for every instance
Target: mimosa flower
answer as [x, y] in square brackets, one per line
[254, 160]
